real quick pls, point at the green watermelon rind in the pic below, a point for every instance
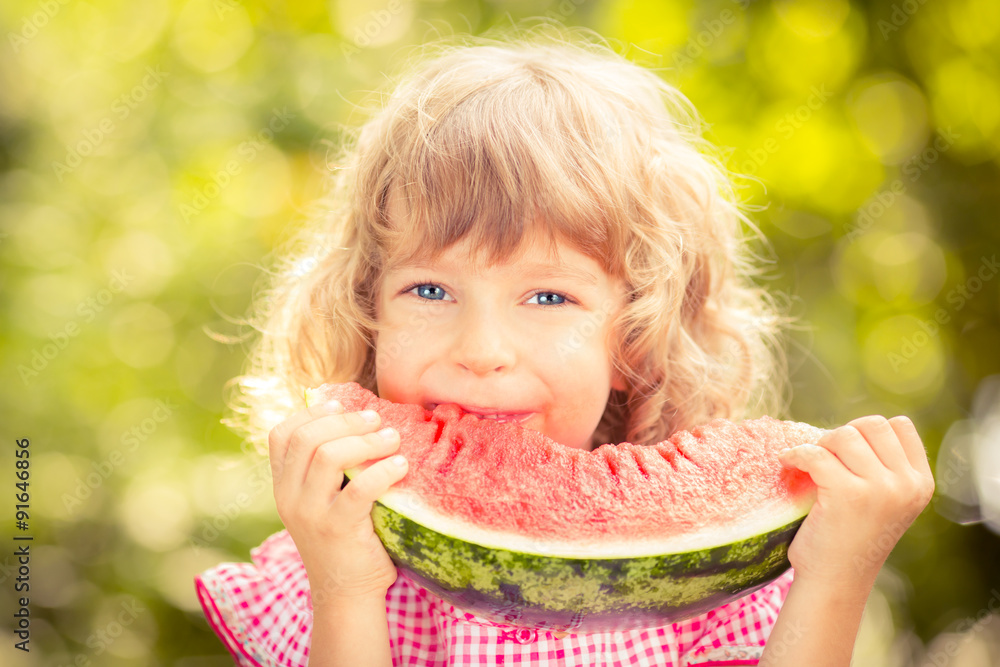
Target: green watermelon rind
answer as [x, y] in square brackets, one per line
[581, 594]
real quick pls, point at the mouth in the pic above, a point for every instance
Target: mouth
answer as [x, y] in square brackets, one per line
[491, 413]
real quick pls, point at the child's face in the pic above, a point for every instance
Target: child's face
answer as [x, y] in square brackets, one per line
[502, 340]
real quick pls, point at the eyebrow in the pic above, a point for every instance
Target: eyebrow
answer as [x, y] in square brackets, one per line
[528, 270]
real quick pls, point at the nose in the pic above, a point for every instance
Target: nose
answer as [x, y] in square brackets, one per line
[482, 343]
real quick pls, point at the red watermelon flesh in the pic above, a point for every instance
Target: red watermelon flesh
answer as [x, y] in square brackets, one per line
[502, 477]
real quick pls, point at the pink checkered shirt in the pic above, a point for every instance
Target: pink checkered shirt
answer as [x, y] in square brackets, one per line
[262, 611]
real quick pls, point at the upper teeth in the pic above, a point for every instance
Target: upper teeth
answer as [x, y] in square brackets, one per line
[495, 415]
[505, 417]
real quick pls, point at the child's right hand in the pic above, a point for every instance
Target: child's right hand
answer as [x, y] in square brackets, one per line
[332, 528]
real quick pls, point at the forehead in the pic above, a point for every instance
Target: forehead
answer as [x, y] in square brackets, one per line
[482, 245]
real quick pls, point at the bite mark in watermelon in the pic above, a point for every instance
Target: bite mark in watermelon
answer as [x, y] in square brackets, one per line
[504, 522]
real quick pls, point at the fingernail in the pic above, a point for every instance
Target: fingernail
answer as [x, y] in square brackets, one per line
[333, 406]
[387, 433]
[369, 416]
[399, 460]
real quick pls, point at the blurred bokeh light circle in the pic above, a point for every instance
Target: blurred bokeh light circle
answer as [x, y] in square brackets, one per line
[890, 114]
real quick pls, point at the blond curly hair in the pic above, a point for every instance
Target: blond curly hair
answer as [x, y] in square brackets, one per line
[545, 130]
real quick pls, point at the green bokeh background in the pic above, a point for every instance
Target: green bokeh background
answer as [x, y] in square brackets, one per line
[873, 130]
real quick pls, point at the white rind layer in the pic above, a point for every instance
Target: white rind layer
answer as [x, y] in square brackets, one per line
[763, 520]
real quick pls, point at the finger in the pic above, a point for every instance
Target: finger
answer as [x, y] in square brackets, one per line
[355, 502]
[303, 443]
[883, 441]
[825, 468]
[848, 445]
[326, 472]
[913, 447]
[278, 438]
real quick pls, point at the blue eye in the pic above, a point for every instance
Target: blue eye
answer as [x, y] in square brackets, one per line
[549, 294]
[427, 291]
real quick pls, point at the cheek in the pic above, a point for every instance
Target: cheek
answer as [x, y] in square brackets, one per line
[393, 348]
[390, 367]
[401, 356]
[584, 340]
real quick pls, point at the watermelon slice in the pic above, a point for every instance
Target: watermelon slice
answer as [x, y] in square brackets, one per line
[503, 522]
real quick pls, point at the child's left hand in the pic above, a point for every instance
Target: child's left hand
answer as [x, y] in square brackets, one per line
[872, 479]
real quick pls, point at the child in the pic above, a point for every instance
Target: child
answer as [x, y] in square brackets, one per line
[509, 200]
